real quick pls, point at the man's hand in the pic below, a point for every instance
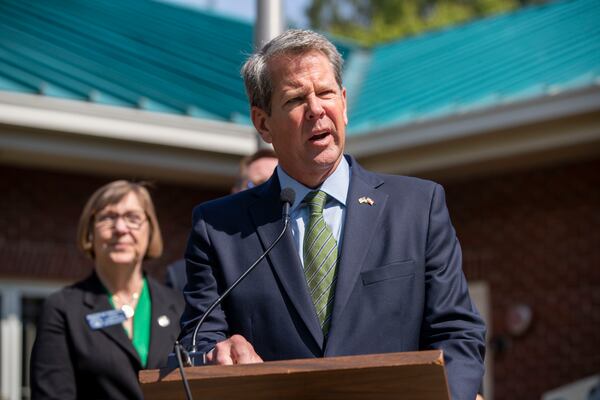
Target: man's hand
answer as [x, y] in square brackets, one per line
[235, 350]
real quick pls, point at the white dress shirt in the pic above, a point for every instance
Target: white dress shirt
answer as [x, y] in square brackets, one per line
[334, 213]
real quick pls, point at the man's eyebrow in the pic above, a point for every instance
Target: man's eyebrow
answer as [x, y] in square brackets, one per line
[291, 83]
[292, 91]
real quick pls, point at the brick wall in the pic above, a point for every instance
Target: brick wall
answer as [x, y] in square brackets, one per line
[39, 211]
[535, 238]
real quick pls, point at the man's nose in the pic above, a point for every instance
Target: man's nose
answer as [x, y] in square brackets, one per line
[314, 108]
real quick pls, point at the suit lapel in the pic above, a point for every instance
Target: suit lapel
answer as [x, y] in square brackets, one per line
[361, 221]
[164, 310]
[97, 300]
[266, 215]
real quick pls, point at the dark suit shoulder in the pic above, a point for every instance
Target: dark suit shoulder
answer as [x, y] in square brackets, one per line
[74, 291]
[234, 200]
[392, 183]
[407, 187]
[410, 181]
[226, 212]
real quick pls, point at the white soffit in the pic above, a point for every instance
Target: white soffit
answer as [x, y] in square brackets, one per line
[34, 112]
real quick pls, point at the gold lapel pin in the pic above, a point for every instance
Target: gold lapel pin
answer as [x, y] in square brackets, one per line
[366, 200]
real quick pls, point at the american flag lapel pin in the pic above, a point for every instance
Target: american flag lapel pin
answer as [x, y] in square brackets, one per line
[366, 200]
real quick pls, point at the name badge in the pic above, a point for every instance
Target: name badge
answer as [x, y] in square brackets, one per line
[104, 319]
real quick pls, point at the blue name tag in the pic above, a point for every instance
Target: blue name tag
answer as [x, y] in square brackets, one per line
[103, 319]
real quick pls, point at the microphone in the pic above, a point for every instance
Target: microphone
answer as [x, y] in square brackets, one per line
[287, 197]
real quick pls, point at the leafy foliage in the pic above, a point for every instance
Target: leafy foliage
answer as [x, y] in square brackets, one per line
[374, 21]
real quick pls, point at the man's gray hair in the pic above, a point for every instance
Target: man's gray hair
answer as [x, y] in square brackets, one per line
[256, 74]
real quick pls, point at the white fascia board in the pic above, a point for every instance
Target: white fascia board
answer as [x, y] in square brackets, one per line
[440, 160]
[478, 123]
[131, 125]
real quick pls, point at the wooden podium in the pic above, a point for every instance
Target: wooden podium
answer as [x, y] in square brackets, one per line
[408, 376]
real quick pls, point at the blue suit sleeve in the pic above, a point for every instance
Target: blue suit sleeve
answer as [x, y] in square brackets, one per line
[451, 322]
[201, 290]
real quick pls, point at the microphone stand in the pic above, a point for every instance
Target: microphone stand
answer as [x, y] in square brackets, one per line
[185, 358]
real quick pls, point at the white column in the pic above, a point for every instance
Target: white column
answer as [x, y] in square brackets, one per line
[10, 331]
[269, 21]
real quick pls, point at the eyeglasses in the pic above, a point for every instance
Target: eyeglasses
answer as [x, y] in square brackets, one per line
[133, 220]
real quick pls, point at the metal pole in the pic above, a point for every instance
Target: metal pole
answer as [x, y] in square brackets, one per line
[269, 23]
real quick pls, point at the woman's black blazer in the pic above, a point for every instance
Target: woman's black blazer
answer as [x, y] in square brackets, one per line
[71, 361]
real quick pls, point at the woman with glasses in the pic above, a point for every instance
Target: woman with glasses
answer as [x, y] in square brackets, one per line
[94, 336]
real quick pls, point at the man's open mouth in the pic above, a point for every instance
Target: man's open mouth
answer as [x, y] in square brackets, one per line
[320, 136]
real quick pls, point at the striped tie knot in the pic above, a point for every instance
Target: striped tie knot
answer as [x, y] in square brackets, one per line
[316, 201]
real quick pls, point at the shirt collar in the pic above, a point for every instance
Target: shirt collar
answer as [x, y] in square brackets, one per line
[336, 185]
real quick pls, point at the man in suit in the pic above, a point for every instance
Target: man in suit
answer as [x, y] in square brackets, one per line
[371, 263]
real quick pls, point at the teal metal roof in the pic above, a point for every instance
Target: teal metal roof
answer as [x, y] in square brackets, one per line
[522, 55]
[136, 53]
[160, 57]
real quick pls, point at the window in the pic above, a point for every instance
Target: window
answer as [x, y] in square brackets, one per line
[20, 305]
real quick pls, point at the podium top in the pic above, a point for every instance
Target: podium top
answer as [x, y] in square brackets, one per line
[414, 375]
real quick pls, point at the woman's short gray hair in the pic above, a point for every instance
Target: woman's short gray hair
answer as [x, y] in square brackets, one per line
[255, 71]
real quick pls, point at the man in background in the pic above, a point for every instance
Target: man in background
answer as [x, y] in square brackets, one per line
[254, 170]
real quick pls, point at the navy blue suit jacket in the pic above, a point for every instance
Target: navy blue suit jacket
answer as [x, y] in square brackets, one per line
[400, 285]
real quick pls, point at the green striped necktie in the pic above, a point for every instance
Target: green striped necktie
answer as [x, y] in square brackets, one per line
[320, 258]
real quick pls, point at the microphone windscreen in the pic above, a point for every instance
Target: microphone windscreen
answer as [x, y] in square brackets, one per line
[287, 195]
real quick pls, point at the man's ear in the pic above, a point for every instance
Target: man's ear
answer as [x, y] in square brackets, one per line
[345, 108]
[260, 119]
